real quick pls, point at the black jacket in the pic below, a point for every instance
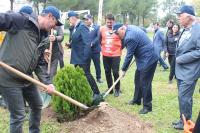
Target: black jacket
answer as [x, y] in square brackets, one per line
[20, 49]
[171, 42]
[80, 45]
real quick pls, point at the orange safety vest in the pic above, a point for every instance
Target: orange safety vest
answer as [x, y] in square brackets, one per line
[110, 43]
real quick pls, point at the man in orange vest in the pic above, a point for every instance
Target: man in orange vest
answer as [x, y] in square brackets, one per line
[111, 50]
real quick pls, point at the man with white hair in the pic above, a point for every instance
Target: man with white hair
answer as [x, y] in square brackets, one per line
[187, 67]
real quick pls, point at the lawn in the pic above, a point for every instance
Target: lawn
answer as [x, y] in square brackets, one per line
[165, 103]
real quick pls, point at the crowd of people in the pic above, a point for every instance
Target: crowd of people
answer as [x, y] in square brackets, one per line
[28, 38]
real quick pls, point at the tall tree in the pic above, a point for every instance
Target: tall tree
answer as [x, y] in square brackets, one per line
[11, 4]
[133, 9]
[170, 7]
[37, 2]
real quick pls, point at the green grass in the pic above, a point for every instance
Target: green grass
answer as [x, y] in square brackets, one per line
[165, 103]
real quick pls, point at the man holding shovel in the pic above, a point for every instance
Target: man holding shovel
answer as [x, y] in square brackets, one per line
[139, 46]
[21, 50]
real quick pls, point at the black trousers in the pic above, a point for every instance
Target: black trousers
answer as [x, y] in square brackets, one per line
[61, 61]
[111, 64]
[171, 59]
[197, 125]
[143, 86]
[96, 60]
[90, 78]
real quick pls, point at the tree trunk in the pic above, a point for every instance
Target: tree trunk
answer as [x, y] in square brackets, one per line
[36, 5]
[143, 20]
[138, 20]
[44, 3]
[11, 4]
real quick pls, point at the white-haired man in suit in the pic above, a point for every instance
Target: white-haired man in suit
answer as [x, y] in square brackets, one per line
[187, 67]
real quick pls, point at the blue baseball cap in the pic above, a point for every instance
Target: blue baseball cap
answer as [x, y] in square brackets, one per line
[87, 16]
[72, 14]
[116, 26]
[26, 9]
[186, 9]
[55, 12]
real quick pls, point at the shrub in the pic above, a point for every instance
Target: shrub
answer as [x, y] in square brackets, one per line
[71, 82]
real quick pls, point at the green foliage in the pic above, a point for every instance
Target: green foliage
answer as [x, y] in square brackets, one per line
[71, 82]
[133, 9]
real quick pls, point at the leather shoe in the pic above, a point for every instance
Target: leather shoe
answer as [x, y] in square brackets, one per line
[99, 81]
[145, 111]
[179, 126]
[117, 93]
[95, 96]
[132, 102]
[176, 122]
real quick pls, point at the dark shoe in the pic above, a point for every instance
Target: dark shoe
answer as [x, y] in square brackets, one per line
[145, 111]
[178, 126]
[170, 82]
[117, 93]
[132, 102]
[176, 122]
[96, 96]
[99, 81]
[3, 105]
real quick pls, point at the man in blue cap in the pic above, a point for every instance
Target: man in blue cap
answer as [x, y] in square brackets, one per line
[26, 9]
[95, 45]
[23, 41]
[81, 49]
[140, 46]
[187, 68]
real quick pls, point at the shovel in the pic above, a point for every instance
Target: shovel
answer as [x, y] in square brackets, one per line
[102, 96]
[50, 49]
[45, 87]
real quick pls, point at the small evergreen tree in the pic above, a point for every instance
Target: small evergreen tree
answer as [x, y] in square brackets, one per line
[71, 82]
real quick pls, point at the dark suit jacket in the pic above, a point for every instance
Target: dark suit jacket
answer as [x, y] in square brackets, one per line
[80, 45]
[96, 48]
[158, 41]
[188, 56]
[139, 45]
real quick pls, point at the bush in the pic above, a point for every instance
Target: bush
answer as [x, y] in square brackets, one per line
[71, 82]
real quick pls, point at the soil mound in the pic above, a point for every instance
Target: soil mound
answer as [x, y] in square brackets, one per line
[106, 119]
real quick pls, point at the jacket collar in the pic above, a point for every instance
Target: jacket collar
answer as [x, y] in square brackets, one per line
[34, 20]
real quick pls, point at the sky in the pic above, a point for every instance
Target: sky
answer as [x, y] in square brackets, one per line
[4, 5]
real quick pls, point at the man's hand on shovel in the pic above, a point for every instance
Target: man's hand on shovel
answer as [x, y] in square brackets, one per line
[46, 55]
[122, 73]
[52, 38]
[50, 89]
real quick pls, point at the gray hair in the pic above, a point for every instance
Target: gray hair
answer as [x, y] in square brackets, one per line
[191, 17]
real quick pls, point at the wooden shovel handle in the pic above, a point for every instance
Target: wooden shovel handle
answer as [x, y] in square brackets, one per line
[50, 49]
[111, 88]
[22, 75]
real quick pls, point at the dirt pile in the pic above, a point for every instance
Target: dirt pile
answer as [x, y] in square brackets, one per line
[106, 119]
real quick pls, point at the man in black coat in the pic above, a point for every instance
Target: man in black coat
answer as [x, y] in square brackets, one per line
[81, 49]
[21, 49]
